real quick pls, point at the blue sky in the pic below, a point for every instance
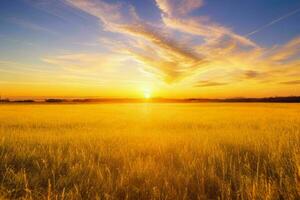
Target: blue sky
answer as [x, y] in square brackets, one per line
[241, 16]
[176, 48]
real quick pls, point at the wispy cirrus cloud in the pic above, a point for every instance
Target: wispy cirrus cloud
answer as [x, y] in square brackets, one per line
[172, 60]
[30, 25]
[178, 7]
[274, 22]
[209, 84]
[286, 52]
[295, 82]
[83, 62]
[175, 15]
[161, 50]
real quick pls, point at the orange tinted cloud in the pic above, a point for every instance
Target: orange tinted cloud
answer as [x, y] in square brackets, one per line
[161, 51]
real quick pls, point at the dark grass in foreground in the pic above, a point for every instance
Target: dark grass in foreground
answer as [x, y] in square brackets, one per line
[150, 151]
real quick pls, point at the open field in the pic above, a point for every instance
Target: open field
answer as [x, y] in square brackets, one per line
[150, 151]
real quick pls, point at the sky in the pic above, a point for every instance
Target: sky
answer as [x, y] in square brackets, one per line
[149, 48]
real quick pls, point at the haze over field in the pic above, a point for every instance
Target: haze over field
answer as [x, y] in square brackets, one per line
[150, 48]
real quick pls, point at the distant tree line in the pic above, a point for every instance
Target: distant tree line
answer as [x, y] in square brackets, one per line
[291, 99]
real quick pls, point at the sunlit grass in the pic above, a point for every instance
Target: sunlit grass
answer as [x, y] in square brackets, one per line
[150, 151]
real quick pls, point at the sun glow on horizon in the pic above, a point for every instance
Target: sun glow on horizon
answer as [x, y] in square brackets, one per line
[169, 52]
[147, 93]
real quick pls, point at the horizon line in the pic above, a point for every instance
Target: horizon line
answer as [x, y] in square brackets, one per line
[275, 99]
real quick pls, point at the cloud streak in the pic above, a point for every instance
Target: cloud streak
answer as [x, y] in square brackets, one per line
[172, 60]
[209, 84]
[178, 7]
[161, 50]
[273, 22]
[296, 82]
[174, 18]
[31, 26]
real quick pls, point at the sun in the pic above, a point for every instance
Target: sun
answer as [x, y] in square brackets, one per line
[147, 93]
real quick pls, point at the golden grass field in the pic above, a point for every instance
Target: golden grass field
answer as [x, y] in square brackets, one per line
[150, 151]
